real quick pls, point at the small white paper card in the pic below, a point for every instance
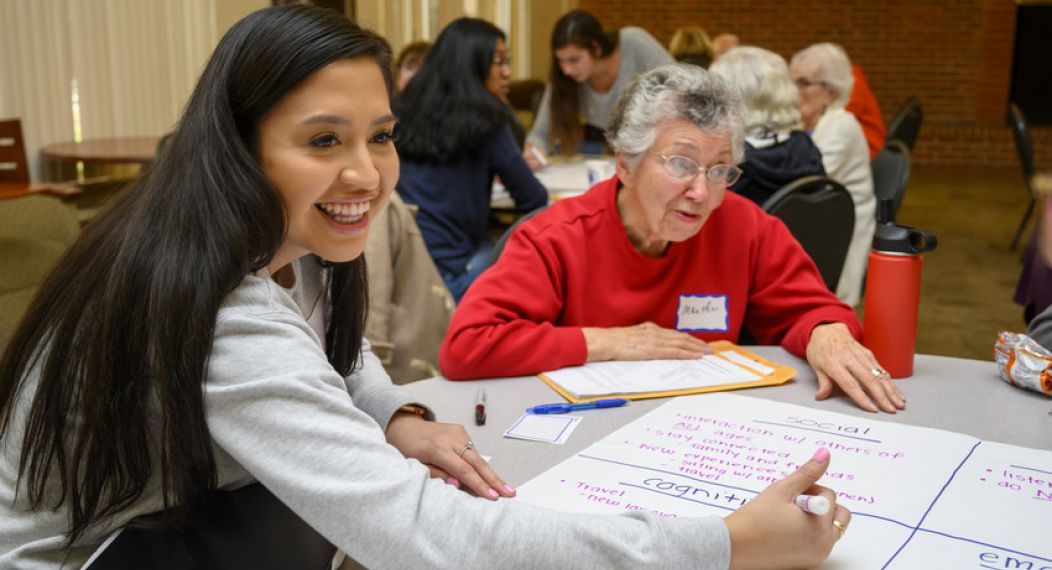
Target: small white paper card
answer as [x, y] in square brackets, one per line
[702, 313]
[555, 428]
[747, 362]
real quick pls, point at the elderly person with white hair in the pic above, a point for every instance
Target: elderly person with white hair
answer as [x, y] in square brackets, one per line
[660, 259]
[777, 152]
[822, 73]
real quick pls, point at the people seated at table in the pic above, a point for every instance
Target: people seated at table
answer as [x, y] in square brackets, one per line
[776, 151]
[590, 68]
[822, 73]
[453, 137]
[179, 350]
[659, 259]
[863, 105]
[408, 63]
[690, 44]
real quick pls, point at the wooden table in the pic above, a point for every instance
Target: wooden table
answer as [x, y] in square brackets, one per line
[17, 190]
[116, 150]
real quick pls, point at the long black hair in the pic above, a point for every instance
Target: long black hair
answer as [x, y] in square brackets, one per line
[118, 336]
[581, 29]
[446, 110]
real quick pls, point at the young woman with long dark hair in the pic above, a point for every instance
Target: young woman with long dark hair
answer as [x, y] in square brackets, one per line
[590, 68]
[205, 333]
[453, 138]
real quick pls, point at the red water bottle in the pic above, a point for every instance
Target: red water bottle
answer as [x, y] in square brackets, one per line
[893, 285]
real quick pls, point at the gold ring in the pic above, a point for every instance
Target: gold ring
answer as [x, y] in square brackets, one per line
[840, 527]
[465, 449]
[878, 372]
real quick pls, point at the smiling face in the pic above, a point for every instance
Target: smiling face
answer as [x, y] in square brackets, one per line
[655, 207]
[575, 62]
[498, 82]
[814, 95]
[327, 149]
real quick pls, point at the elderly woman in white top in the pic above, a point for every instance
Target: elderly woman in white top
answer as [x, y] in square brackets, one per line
[822, 72]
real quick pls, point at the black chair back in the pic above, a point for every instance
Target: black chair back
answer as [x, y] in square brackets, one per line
[891, 174]
[906, 124]
[499, 247]
[1025, 147]
[820, 214]
[245, 528]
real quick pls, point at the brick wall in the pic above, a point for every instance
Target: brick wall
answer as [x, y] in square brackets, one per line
[954, 56]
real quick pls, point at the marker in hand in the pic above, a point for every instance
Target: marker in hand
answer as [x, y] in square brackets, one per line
[813, 504]
[536, 152]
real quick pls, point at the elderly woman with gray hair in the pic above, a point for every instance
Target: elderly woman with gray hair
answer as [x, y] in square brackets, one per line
[660, 259]
[822, 73]
[776, 150]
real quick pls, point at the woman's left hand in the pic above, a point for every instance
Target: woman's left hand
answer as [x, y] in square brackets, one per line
[443, 449]
[838, 358]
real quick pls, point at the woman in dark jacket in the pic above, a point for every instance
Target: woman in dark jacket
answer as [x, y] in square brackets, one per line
[454, 139]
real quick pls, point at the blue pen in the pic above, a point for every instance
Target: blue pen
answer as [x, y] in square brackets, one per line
[563, 408]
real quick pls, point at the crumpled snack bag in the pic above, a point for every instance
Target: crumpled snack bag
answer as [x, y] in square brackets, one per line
[1023, 362]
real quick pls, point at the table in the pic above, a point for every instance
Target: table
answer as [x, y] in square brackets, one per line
[959, 395]
[115, 150]
[562, 179]
[18, 190]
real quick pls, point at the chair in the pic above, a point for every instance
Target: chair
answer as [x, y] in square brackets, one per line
[35, 232]
[1023, 144]
[13, 165]
[525, 95]
[906, 124]
[499, 247]
[820, 214]
[891, 174]
[245, 528]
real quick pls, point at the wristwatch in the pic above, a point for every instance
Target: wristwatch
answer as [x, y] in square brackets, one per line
[416, 410]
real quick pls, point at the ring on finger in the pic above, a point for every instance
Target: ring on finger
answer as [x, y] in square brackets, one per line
[878, 372]
[841, 528]
[463, 450]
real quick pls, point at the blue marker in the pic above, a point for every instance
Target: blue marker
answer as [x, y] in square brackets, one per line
[563, 408]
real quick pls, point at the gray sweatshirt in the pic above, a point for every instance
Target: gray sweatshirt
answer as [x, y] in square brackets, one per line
[279, 414]
[639, 52]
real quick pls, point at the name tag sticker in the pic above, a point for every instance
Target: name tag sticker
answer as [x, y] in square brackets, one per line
[702, 313]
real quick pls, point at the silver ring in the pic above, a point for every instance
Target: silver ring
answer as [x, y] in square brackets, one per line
[463, 450]
[878, 372]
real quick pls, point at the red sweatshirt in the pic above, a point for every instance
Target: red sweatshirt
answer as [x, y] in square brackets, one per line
[863, 105]
[573, 266]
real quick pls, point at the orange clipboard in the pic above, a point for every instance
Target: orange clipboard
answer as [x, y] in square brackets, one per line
[781, 375]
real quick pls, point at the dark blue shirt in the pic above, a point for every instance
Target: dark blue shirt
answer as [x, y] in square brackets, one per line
[454, 197]
[767, 169]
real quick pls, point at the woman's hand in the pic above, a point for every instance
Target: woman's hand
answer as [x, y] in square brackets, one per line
[838, 358]
[770, 531]
[438, 446]
[642, 342]
[534, 157]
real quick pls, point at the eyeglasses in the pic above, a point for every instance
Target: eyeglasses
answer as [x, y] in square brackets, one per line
[503, 61]
[804, 83]
[683, 169]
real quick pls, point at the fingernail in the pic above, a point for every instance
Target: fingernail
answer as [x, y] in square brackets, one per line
[509, 488]
[492, 494]
[821, 456]
[453, 481]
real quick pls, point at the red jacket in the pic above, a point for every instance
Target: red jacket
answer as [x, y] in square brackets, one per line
[863, 105]
[573, 266]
